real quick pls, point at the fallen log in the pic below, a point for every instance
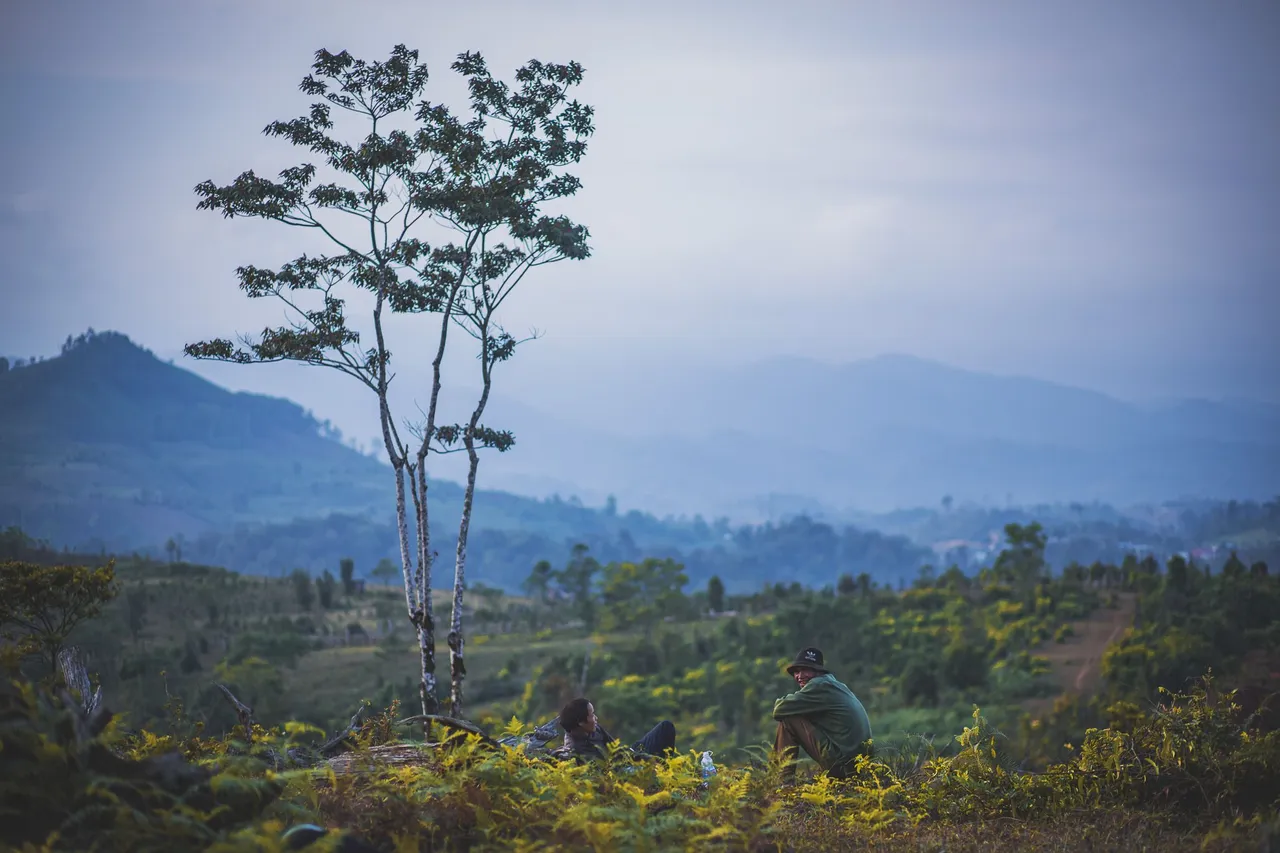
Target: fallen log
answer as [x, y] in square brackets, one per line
[386, 755]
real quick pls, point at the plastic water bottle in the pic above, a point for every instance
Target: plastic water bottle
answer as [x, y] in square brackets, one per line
[708, 766]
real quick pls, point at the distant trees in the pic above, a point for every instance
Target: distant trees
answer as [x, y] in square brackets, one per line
[619, 595]
[79, 340]
[576, 581]
[642, 593]
[326, 585]
[919, 683]
[302, 588]
[538, 584]
[385, 571]
[964, 660]
[1021, 562]
[715, 594]
[136, 609]
[1234, 567]
[485, 179]
[347, 570]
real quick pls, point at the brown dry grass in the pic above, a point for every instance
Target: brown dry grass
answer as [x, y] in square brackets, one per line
[1085, 832]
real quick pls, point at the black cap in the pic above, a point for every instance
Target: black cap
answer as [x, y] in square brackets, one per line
[810, 658]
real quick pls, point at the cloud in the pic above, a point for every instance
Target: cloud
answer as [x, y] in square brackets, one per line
[993, 185]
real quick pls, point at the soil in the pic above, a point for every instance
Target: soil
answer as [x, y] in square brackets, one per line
[1076, 665]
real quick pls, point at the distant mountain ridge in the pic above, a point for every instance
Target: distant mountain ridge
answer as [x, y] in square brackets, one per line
[109, 443]
[892, 431]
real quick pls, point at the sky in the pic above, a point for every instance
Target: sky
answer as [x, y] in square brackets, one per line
[1085, 192]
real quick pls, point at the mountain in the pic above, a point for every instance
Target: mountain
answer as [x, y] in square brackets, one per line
[108, 446]
[673, 436]
[887, 432]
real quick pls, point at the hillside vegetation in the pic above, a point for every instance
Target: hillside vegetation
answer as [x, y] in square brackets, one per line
[976, 740]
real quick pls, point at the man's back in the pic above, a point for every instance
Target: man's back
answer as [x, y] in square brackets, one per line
[840, 721]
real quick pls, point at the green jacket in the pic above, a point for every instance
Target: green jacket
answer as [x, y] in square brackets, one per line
[835, 713]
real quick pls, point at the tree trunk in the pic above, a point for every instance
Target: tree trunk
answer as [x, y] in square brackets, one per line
[417, 577]
[457, 667]
[426, 627]
[77, 679]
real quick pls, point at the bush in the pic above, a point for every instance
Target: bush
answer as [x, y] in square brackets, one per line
[1191, 765]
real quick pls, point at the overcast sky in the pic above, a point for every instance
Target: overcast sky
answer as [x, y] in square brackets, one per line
[1087, 192]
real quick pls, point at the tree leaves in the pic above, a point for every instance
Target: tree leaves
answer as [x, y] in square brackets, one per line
[46, 602]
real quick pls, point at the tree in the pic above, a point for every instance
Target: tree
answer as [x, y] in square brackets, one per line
[539, 581]
[136, 606]
[41, 605]
[1234, 568]
[1021, 561]
[642, 593]
[384, 571]
[919, 683]
[485, 188]
[964, 660]
[577, 581]
[347, 571]
[302, 588]
[1178, 574]
[325, 587]
[715, 594]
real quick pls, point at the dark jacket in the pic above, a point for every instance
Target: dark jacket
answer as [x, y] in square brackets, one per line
[836, 715]
[585, 746]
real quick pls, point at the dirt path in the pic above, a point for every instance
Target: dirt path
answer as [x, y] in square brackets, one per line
[1076, 665]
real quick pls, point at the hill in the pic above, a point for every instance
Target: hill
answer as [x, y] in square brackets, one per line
[108, 447]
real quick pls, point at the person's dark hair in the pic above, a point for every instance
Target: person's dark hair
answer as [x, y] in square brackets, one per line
[574, 714]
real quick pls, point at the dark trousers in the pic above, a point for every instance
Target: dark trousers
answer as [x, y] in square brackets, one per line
[796, 733]
[660, 738]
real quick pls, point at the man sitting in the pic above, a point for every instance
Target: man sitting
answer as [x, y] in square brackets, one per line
[584, 736]
[823, 717]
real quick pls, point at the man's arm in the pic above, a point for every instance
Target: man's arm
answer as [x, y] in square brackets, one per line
[806, 700]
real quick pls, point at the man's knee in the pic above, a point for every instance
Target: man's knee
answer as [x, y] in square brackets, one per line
[667, 734]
